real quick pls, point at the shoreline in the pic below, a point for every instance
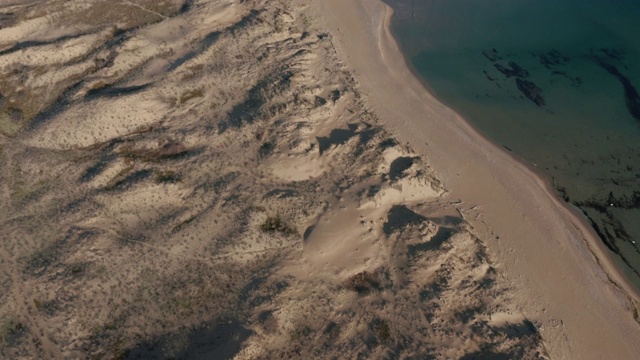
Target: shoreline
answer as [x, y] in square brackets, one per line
[590, 282]
[602, 254]
[611, 268]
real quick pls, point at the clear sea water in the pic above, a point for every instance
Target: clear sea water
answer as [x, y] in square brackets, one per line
[554, 81]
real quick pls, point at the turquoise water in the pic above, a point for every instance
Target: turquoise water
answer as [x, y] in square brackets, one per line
[556, 82]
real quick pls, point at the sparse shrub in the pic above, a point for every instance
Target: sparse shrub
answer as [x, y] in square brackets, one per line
[381, 330]
[38, 262]
[169, 150]
[301, 331]
[363, 282]
[75, 270]
[113, 183]
[332, 330]
[167, 177]
[11, 330]
[320, 101]
[276, 224]
[388, 143]
[184, 223]
[335, 95]
[191, 94]
[266, 149]
[47, 307]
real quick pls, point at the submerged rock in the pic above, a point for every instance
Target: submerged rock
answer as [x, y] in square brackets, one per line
[613, 54]
[553, 58]
[513, 70]
[492, 55]
[631, 95]
[531, 91]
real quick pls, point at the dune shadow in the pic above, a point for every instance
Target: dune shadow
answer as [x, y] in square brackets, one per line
[400, 217]
[399, 166]
[336, 137]
[442, 235]
[221, 341]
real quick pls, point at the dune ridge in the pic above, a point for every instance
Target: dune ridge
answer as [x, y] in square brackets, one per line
[217, 179]
[561, 269]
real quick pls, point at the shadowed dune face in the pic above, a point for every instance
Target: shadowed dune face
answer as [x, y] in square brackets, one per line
[160, 162]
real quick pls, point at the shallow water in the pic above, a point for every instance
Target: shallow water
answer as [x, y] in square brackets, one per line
[556, 82]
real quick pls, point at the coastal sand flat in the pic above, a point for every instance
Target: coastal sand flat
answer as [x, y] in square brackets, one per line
[227, 179]
[547, 250]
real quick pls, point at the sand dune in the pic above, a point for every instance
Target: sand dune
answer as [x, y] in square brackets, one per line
[211, 179]
[560, 274]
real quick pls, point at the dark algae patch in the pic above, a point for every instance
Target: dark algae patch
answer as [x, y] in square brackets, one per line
[553, 58]
[528, 88]
[631, 96]
[512, 70]
[531, 91]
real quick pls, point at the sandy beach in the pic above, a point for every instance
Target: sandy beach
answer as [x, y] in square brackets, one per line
[550, 254]
[224, 179]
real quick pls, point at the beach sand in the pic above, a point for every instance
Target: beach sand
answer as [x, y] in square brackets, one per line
[267, 179]
[552, 257]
